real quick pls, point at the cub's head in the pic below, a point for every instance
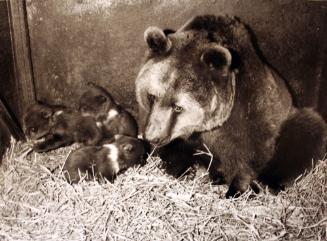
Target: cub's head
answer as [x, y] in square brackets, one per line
[187, 83]
[128, 151]
[96, 101]
[38, 121]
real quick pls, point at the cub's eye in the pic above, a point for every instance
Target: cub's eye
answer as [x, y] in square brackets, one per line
[101, 99]
[45, 114]
[177, 109]
[151, 98]
[33, 129]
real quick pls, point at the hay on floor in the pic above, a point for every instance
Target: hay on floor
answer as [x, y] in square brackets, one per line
[36, 203]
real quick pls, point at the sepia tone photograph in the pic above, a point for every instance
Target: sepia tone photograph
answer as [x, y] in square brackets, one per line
[163, 120]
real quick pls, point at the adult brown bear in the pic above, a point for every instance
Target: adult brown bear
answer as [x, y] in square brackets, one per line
[207, 84]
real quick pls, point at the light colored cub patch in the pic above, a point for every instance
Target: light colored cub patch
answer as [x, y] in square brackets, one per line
[111, 115]
[86, 114]
[113, 157]
[59, 112]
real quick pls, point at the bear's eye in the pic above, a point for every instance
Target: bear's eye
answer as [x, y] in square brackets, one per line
[33, 129]
[177, 109]
[151, 98]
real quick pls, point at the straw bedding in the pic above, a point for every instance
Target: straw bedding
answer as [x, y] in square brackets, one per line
[36, 203]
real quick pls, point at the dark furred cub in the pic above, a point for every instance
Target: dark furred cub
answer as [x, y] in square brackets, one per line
[38, 119]
[106, 160]
[60, 127]
[70, 127]
[110, 117]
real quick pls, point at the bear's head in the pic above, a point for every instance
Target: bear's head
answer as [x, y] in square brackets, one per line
[187, 83]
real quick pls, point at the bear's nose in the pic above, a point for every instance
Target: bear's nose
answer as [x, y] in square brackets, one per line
[151, 136]
[158, 142]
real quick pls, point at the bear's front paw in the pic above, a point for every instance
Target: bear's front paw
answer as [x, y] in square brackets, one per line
[233, 192]
[239, 185]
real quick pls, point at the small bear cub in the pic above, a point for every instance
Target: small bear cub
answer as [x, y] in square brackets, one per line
[39, 118]
[60, 127]
[110, 117]
[107, 160]
[96, 121]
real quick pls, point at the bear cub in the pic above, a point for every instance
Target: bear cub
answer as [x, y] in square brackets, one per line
[39, 118]
[107, 160]
[109, 116]
[97, 120]
[60, 127]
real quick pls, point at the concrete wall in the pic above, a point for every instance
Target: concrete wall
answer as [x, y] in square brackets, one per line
[76, 41]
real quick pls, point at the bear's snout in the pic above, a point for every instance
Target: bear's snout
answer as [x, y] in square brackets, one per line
[153, 136]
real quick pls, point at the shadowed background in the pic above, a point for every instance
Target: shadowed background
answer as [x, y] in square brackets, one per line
[76, 41]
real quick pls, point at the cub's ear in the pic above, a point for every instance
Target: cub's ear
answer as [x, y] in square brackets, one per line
[216, 58]
[101, 99]
[157, 40]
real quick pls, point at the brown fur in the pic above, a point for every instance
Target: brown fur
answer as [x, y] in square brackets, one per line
[244, 111]
[97, 102]
[38, 119]
[60, 127]
[296, 143]
[96, 161]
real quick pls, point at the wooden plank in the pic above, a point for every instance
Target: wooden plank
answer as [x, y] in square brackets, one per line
[23, 68]
[4, 138]
[10, 123]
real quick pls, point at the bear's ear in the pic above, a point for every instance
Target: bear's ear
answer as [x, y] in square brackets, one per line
[216, 57]
[157, 40]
